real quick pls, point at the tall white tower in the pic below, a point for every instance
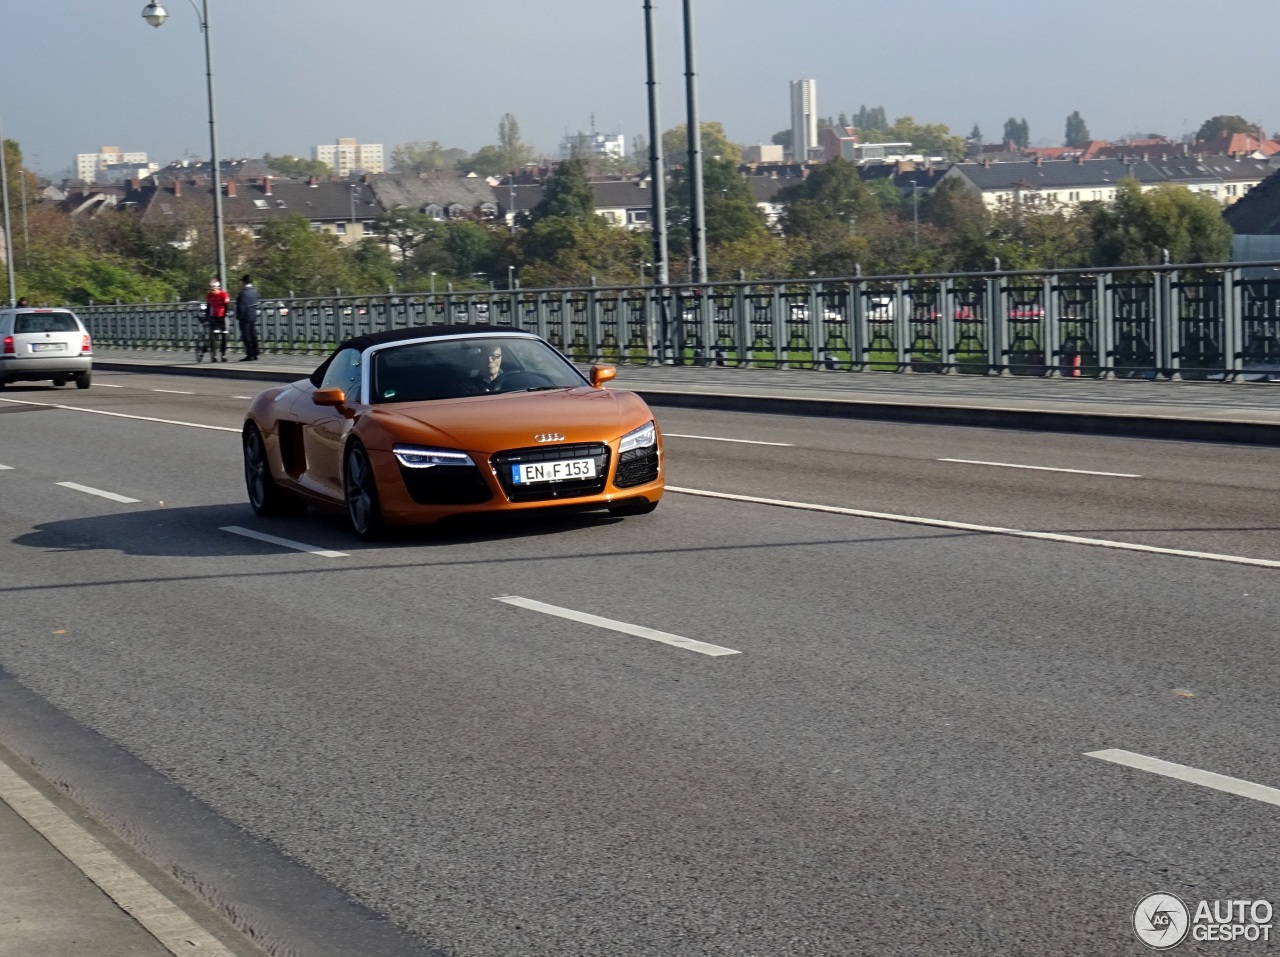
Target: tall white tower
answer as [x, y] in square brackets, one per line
[804, 118]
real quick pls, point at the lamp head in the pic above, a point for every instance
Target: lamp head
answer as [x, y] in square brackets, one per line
[155, 14]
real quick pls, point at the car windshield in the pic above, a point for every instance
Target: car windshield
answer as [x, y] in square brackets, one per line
[454, 368]
[28, 322]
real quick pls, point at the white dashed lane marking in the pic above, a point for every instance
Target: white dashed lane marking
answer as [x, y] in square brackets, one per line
[1181, 772]
[99, 492]
[981, 529]
[283, 542]
[1041, 468]
[639, 631]
[121, 415]
[6, 468]
[173, 391]
[716, 438]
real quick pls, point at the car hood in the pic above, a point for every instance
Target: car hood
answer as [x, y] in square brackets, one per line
[491, 423]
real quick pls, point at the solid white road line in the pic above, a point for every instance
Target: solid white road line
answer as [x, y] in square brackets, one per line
[173, 391]
[1041, 468]
[284, 542]
[99, 492]
[1180, 772]
[982, 529]
[701, 647]
[6, 468]
[163, 919]
[121, 415]
[715, 438]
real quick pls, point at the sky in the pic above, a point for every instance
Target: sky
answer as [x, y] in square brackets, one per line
[291, 74]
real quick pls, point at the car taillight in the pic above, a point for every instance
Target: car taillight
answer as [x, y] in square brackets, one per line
[8, 345]
[86, 345]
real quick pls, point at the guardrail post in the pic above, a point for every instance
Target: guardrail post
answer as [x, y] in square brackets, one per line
[1232, 324]
[902, 325]
[1167, 345]
[998, 333]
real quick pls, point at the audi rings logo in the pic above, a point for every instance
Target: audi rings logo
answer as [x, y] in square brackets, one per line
[549, 437]
[1161, 921]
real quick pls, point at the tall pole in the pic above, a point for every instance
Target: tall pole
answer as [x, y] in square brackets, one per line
[657, 165]
[8, 232]
[697, 211]
[213, 149]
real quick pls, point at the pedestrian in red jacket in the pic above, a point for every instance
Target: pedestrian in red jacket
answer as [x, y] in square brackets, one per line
[216, 304]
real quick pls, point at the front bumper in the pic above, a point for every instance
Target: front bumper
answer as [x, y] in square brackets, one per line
[403, 502]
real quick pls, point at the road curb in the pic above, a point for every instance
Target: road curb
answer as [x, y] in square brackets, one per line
[1038, 420]
[1233, 431]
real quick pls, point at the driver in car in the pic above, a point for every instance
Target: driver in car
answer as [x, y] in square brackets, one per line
[490, 366]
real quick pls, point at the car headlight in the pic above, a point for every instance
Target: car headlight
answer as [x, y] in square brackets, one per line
[422, 457]
[640, 438]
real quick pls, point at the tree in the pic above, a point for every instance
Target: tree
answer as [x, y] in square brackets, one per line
[1137, 227]
[515, 152]
[731, 211]
[486, 161]
[975, 135]
[417, 157]
[296, 168]
[869, 120]
[675, 142]
[830, 203]
[572, 251]
[1017, 132]
[1077, 133]
[782, 138]
[1219, 127]
[933, 139]
[292, 258]
[566, 194]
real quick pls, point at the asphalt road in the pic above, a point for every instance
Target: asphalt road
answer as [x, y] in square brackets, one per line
[894, 762]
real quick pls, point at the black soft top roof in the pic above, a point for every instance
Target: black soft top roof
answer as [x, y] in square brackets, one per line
[403, 335]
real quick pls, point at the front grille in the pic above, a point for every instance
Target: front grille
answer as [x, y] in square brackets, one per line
[446, 485]
[502, 464]
[636, 467]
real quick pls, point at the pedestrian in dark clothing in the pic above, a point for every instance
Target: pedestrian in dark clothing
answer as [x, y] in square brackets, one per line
[247, 316]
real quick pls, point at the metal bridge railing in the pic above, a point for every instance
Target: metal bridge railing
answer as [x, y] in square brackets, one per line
[1214, 321]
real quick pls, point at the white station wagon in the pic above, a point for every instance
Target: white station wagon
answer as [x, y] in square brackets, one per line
[44, 344]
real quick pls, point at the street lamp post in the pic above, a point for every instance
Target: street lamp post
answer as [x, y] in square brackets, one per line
[8, 232]
[697, 211]
[155, 14]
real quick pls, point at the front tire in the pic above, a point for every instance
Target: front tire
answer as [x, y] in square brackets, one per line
[266, 498]
[361, 487]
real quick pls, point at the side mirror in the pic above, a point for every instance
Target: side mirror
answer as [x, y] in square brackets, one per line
[332, 397]
[602, 373]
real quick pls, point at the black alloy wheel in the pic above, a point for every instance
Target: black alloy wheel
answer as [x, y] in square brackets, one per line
[266, 498]
[362, 494]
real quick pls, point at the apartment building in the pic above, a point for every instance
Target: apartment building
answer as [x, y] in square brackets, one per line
[347, 156]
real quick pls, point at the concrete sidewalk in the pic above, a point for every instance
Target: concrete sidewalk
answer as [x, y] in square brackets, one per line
[65, 884]
[1202, 411]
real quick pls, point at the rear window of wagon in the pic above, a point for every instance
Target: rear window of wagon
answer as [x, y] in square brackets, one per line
[28, 322]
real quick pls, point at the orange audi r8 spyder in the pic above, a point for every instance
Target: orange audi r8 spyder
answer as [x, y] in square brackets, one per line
[414, 425]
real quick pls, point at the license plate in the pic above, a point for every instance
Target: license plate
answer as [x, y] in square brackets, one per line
[528, 473]
[48, 347]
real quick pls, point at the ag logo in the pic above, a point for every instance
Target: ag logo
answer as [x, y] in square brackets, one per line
[1161, 921]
